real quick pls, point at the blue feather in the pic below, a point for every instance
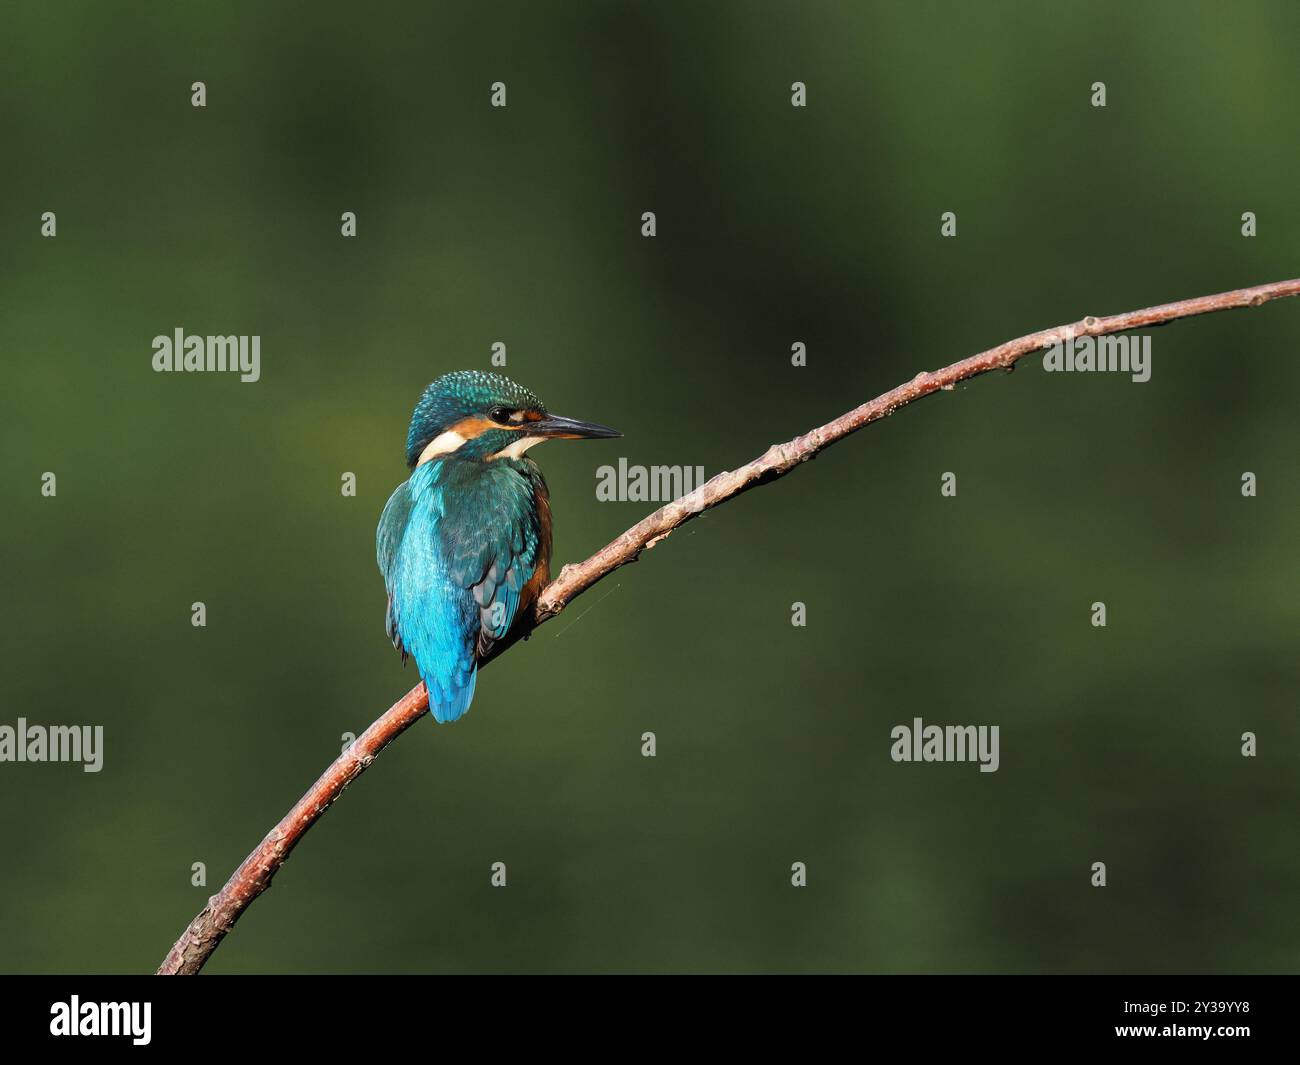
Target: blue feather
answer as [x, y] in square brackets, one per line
[457, 544]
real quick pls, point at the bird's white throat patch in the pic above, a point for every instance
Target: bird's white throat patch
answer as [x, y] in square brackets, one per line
[517, 449]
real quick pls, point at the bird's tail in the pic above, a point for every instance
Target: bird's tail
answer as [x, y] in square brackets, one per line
[449, 700]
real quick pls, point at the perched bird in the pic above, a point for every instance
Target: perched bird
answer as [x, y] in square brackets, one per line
[465, 543]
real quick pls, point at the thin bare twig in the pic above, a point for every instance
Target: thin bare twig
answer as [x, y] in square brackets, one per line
[253, 877]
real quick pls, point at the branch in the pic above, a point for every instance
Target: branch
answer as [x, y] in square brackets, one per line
[253, 877]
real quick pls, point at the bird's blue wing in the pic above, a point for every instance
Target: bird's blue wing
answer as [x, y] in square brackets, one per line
[506, 552]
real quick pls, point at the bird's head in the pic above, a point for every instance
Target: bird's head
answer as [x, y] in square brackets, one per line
[484, 416]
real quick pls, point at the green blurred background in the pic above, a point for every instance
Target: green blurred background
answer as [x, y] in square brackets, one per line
[775, 225]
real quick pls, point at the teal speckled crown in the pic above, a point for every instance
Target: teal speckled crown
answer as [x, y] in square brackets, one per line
[455, 396]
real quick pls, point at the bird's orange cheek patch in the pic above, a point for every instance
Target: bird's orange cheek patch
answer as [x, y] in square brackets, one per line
[474, 426]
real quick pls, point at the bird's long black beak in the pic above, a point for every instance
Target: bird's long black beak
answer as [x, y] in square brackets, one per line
[554, 426]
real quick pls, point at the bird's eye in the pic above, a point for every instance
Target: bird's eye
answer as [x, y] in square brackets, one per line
[500, 415]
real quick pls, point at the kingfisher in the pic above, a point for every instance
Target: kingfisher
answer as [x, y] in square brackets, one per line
[464, 544]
